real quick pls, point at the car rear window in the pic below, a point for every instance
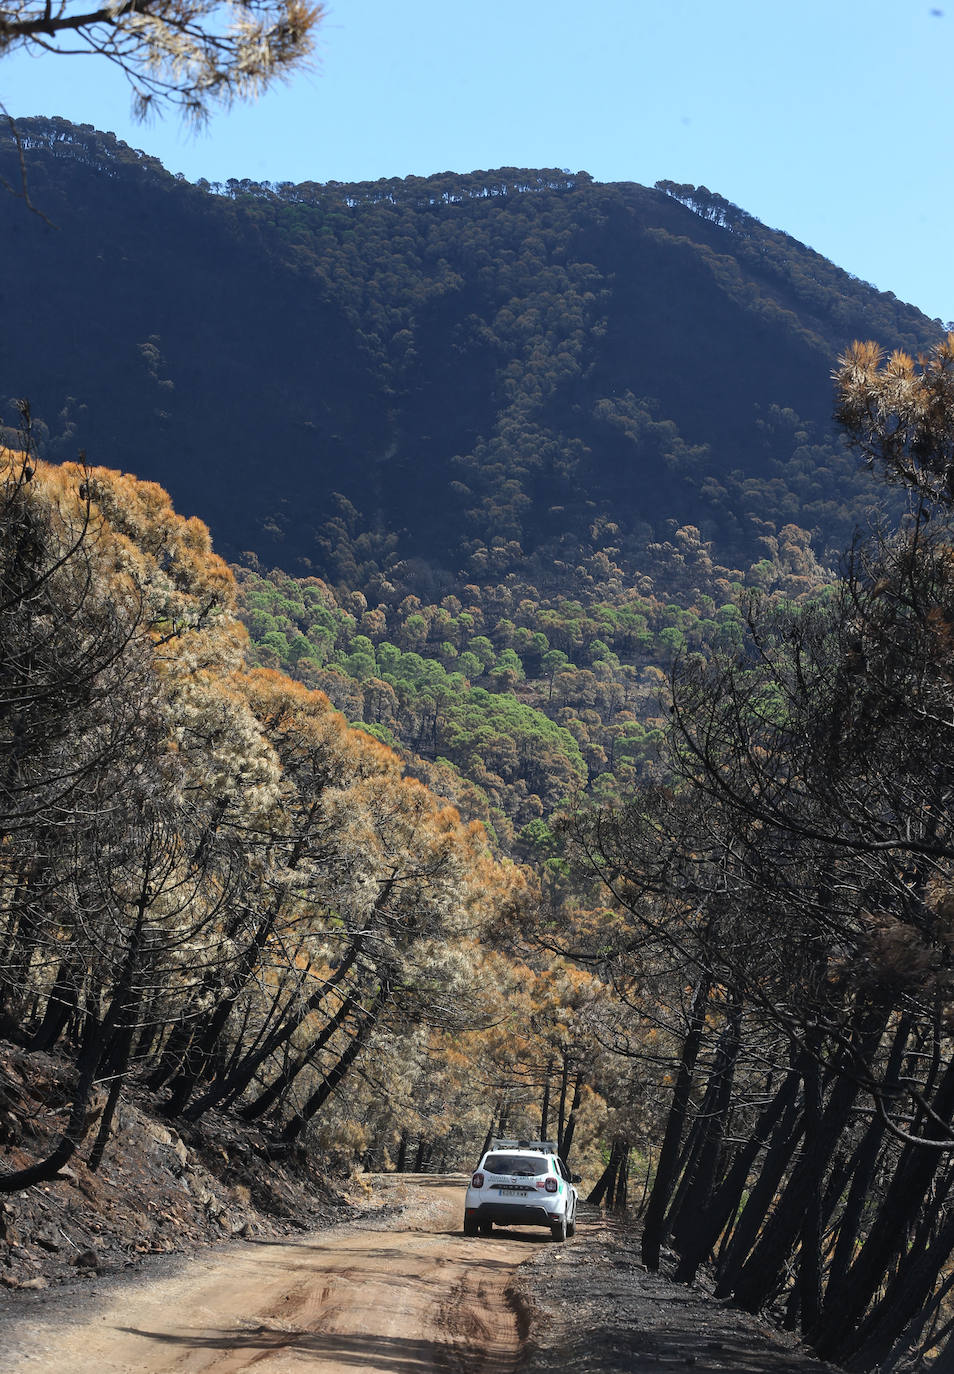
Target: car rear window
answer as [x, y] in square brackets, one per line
[525, 1166]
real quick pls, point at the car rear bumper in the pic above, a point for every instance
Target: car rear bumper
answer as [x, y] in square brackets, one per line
[512, 1214]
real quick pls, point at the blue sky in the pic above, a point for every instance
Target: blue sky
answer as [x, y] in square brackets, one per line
[830, 119]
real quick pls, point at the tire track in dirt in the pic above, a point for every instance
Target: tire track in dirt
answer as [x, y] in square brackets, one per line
[484, 1327]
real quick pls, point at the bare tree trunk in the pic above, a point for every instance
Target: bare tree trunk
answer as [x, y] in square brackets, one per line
[782, 1146]
[320, 1096]
[621, 1191]
[607, 1179]
[909, 1186]
[561, 1109]
[760, 1273]
[400, 1165]
[701, 1170]
[654, 1224]
[60, 1006]
[105, 1125]
[545, 1107]
[905, 1297]
[863, 1165]
[726, 1198]
[232, 1085]
[490, 1133]
[284, 1080]
[566, 1143]
[810, 1263]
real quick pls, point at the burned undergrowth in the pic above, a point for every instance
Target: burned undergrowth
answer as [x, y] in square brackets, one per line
[160, 1189]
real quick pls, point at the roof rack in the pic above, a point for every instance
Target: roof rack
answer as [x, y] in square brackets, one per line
[548, 1147]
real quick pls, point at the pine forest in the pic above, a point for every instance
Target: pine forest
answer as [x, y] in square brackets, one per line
[466, 670]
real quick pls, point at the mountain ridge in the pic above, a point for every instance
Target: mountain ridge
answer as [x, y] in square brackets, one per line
[482, 365]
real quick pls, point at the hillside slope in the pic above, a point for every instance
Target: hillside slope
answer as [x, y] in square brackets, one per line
[484, 366]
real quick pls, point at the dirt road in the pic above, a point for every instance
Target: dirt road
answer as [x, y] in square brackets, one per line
[402, 1296]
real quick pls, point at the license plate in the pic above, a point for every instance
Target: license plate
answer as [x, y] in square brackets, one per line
[511, 1188]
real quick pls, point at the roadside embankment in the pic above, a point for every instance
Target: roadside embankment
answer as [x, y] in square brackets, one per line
[594, 1309]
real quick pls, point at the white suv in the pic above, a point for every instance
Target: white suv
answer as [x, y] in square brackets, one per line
[521, 1183]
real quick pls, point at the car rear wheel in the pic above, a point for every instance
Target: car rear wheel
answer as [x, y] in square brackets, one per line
[470, 1226]
[558, 1229]
[571, 1226]
[486, 1228]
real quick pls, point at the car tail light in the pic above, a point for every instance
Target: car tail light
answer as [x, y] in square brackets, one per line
[478, 1180]
[551, 1185]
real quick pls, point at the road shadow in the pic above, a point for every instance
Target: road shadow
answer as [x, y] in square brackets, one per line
[540, 1237]
[391, 1266]
[424, 1180]
[394, 1354]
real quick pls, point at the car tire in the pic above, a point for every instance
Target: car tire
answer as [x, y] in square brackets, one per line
[470, 1226]
[558, 1229]
[571, 1226]
[486, 1228]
